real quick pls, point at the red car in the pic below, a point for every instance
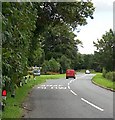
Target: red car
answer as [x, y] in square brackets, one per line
[70, 73]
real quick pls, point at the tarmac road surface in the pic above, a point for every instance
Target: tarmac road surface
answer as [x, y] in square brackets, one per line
[70, 98]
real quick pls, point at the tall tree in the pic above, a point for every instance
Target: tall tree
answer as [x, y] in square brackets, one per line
[18, 24]
[24, 29]
[52, 17]
[104, 53]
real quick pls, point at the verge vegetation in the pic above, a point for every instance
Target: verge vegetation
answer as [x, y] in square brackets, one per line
[14, 108]
[101, 81]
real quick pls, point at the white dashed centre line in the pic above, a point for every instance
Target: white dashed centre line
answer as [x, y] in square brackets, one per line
[68, 87]
[70, 81]
[92, 104]
[73, 92]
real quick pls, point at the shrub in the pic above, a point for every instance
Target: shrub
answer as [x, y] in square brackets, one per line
[104, 72]
[6, 82]
[54, 65]
[45, 66]
[110, 76]
[65, 63]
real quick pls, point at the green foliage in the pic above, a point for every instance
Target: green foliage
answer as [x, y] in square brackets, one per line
[72, 14]
[35, 32]
[37, 56]
[6, 82]
[51, 65]
[65, 63]
[55, 25]
[104, 54]
[100, 80]
[13, 108]
[18, 22]
[45, 66]
[54, 65]
[110, 76]
[59, 41]
[104, 72]
[84, 61]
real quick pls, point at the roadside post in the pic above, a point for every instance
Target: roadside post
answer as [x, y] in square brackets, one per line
[21, 84]
[13, 90]
[26, 80]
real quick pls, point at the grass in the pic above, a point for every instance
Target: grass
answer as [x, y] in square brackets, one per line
[53, 76]
[13, 107]
[99, 79]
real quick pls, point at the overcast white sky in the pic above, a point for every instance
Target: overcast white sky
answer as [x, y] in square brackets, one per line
[102, 22]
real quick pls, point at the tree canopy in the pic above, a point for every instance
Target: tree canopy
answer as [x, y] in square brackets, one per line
[105, 51]
[39, 31]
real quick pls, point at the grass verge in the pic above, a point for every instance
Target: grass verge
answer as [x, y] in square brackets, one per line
[100, 80]
[13, 108]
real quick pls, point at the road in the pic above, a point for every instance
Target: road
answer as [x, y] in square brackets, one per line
[70, 98]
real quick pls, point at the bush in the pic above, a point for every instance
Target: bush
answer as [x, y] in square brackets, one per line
[65, 63]
[52, 65]
[6, 83]
[110, 76]
[45, 66]
[104, 72]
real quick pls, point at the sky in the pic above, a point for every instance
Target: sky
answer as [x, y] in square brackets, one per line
[102, 22]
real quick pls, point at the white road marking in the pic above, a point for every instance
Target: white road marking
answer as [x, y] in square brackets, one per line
[83, 98]
[70, 81]
[92, 104]
[52, 87]
[62, 87]
[68, 87]
[73, 92]
[55, 87]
